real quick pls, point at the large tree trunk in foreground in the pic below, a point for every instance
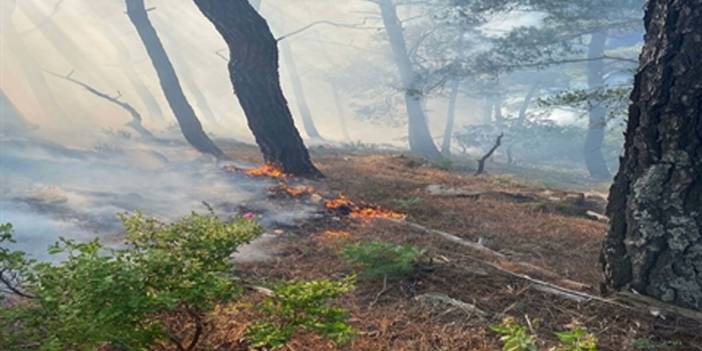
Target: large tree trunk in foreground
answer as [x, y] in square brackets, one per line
[450, 117]
[253, 69]
[594, 160]
[420, 139]
[654, 243]
[183, 111]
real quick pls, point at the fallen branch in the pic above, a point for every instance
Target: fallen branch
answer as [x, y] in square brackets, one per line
[443, 299]
[628, 301]
[481, 162]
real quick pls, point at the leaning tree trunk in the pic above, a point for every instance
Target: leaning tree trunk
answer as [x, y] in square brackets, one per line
[340, 112]
[253, 69]
[594, 160]
[654, 243]
[450, 117]
[183, 111]
[420, 139]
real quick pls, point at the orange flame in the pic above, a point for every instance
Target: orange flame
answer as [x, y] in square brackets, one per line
[342, 203]
[266, 170]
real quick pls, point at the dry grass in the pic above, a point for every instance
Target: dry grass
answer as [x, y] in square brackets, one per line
[564, 244]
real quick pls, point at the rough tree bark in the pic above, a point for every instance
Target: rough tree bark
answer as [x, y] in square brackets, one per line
[654, 243]
[253, 69]
[594, 160]
[420, 140]
[450, 117]
[183, 111]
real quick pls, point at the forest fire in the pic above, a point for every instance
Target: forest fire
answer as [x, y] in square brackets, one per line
[294, 191]
[266, 170]
[347, 207]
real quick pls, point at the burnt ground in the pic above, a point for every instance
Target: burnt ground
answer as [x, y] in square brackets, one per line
[542, 232]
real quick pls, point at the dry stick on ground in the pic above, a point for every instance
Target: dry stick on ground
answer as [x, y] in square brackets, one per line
[135, 123]
[481, 162]
[629, 301]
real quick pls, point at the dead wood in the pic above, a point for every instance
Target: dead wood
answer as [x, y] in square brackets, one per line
[441, 300]
[481, 162]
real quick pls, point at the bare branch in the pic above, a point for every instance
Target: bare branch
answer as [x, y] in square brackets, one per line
[481, 162]
[135, 123]
[325, 22]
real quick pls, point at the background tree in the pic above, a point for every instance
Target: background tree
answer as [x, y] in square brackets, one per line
[654, 243]
[183, 111]
[253, 69]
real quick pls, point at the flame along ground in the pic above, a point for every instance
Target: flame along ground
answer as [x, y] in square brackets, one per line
[340, 204]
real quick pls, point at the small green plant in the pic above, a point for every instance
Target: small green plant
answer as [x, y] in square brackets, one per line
[302, 306]
[576, 338]
[406, 203]
[514, 336]
[99, 296]
[377, 259]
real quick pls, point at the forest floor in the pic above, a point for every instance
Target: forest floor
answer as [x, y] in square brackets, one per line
[526, 228]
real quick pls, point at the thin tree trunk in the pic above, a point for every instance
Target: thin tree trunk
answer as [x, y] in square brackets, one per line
[30, 68]
[450, 117]
[183, 111]
[298, 91]
[253, 69]
[594, 159]
[12, 121]
[420, 140]
[522, 117]
[654, 243]
[340, 112]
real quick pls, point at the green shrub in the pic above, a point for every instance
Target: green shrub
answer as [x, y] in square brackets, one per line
[377, 259]
[576, 339]
[100, 296]
[302, 305]
[514, 336]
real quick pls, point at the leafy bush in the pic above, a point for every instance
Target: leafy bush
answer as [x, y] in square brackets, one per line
[302, 305]
[377, 259]
[576, 339]
[515, 336]
[102, 296]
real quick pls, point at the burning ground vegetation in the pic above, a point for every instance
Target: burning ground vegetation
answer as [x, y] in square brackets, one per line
[501, 261]
[438, 260]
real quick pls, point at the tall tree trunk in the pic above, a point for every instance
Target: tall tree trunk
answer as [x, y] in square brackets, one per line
[420, 140]
[450, 117]
[30, 68]
[298, 91]
[12, 121]
[524, 107]
[594, 159]
[654, 243]
[486, 105]
[253, 69]
[340, 111]
[183, 111]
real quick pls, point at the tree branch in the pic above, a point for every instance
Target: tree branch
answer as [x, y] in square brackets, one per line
[135, 123]
[325, 22]
[481, 162]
